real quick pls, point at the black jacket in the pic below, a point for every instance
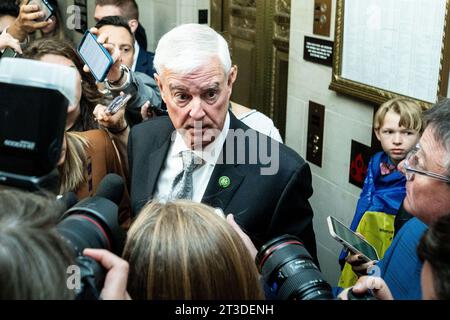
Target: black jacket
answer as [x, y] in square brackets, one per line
[265, 206]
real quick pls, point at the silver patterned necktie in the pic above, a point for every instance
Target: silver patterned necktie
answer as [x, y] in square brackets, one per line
[182, 186]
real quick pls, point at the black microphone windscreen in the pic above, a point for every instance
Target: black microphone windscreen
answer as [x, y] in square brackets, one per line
[111, 188]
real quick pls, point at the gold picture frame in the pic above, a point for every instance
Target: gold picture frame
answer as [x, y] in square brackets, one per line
[373, 93]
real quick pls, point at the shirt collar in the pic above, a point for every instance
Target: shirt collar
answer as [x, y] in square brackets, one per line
[136, 55]
[211, 152]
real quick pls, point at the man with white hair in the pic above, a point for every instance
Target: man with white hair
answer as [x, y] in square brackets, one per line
[203, 153]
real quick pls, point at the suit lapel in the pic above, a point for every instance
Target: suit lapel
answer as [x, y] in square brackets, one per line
[217, 194]
[156, 162]
[220, 190]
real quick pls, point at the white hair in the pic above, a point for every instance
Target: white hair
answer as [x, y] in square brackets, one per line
[187, 47]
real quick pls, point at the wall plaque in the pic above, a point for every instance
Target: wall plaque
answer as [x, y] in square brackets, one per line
[318, 51]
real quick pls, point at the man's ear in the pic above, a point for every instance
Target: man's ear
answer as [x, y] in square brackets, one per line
[233, 75]
[134, 24]
[160, 86]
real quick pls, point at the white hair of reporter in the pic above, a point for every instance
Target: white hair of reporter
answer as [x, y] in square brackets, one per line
[187, 47]
[33, 257]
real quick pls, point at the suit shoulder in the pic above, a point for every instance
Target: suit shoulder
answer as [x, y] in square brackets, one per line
[290, 156]
[158, 126]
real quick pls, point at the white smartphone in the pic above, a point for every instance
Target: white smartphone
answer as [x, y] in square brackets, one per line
[351, 240]
[95, 56]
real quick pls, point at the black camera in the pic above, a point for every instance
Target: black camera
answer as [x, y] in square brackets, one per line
[93, 223]
[289, 271]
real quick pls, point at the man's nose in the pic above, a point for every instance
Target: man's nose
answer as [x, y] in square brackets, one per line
[197, 112]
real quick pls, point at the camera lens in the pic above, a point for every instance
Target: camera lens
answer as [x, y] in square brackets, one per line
[84, 232]
[289, 271]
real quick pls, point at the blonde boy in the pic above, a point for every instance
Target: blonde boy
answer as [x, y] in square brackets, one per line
[398, 126]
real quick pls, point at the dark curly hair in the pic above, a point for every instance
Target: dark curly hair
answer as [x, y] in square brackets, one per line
[90, 96]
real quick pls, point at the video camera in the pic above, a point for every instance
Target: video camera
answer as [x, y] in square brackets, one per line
[34, 97]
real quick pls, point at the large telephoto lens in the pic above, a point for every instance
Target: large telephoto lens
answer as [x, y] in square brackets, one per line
[289, 271]
[84, 232]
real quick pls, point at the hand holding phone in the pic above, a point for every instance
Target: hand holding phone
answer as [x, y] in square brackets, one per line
[45, 7]
[118, 103]
[351, 240]
[95, 56]
[9, 47]
[9, 53]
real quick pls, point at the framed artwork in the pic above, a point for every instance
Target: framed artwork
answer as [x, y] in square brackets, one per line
[384, 49]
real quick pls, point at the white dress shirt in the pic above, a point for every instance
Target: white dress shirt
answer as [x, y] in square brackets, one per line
[136, 55]
[201, 175]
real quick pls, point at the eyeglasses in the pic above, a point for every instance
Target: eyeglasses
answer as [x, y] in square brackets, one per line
[410, 166]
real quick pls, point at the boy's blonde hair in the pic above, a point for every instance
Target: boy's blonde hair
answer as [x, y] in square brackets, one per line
[410, 114]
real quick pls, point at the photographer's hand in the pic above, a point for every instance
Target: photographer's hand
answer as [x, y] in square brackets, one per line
[379, 288]
[25, 23]
[115, 287]
[7, 41]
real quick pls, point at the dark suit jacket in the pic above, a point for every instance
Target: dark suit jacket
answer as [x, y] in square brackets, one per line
[144, 62]
[265, 206]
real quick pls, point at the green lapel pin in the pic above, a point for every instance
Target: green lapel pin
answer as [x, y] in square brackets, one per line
[224, 182]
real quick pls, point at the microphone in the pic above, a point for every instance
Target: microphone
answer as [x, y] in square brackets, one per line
[111, 188]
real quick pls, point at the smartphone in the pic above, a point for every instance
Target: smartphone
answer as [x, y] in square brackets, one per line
[45, 7]
[351, 240]
[95, 56]
[9, 53]
[118, 103]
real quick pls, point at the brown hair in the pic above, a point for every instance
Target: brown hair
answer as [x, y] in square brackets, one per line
[90, 96]
[184, 250]
[72, 170]
[128, 8]
[409, 110]
[33, 257]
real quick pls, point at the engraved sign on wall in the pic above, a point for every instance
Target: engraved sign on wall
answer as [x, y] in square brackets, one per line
[318, 51]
